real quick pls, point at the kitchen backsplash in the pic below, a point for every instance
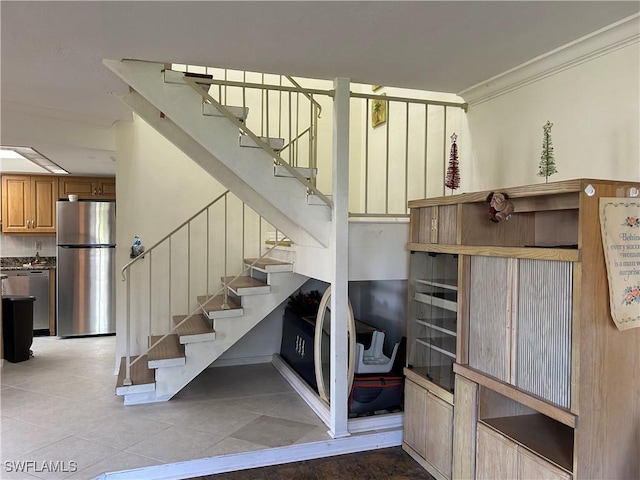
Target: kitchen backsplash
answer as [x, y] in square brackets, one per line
[25, 245]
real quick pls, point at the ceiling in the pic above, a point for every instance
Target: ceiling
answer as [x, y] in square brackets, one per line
[52, 51]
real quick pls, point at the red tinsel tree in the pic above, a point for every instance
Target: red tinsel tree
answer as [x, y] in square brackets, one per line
[453, 170]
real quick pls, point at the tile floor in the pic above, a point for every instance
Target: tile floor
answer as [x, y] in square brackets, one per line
[60, 406]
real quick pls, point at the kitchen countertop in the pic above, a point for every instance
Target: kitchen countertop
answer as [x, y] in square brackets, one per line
[18, 263]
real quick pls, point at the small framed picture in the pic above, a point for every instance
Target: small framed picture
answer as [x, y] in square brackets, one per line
[378, 112]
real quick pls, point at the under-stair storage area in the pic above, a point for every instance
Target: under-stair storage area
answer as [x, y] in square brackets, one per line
[542, 386]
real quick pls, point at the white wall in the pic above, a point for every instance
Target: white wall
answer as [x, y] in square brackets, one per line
[594, 107]
[24, 245]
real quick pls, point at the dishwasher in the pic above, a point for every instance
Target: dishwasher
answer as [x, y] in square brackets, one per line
[36, 284]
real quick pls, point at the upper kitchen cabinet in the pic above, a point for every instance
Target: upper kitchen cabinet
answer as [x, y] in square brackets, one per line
[88, 188]
[29, 204]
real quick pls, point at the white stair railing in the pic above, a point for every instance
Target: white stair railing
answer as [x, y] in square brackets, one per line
[398, 158]
[245, 130]
[215, 258]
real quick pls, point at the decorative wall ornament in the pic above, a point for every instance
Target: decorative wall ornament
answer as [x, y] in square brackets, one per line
[452, 180]
[547, 166]
[378, 112]
[620, 230]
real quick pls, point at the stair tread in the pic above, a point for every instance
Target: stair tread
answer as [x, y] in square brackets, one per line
[168, 348]
[243, 282]
[264, 262]
[215, 305]
[140, 373]
[196, 325]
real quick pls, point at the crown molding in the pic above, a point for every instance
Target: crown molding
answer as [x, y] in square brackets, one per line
[618, 35]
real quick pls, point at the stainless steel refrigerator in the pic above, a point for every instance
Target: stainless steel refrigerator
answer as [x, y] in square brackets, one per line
[85, 271]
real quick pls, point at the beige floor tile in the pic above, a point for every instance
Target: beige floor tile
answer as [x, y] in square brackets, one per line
[175, 444]
[219, 420]
[261, 404]
[318, 434]
[114, 463]
[231, 445]
[20, 438]
[273, 432]
[294, 408]
[71, 449]
[121, 433]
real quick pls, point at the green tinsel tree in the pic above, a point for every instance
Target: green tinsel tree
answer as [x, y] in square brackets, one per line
[547, 165]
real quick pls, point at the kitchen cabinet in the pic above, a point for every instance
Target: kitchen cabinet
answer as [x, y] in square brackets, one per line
[543, 369]
[29, 204]
[428, 424]
[88, 188]
[501, 458]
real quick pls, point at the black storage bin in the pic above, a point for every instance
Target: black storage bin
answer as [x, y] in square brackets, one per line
[17, 327]
[371, 392]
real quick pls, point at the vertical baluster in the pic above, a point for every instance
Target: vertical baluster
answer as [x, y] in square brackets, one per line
[188, 265]
[444, 146]
[280, 110]
[366, 158]
[386, 192]
[297, 129]
[262, 108]
[127, 363]
[243, 231]
[225, 304]
[426, 145]
[150, 293]
[312, 108]
[290, 120]
[406, 159]
[170, 309]
[244, 94]
[208, 249]
[267, 115]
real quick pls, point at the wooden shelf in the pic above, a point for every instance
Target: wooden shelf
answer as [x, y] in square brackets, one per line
[436, 300]
[441, 324]
[535, 253]
[439, 283]
[540, 434]
[509, 391]
[444, 345]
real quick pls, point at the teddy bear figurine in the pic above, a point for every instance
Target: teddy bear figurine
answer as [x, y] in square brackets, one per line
[500, 208]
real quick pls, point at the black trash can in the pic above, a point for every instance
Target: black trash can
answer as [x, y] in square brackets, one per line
[17, 327]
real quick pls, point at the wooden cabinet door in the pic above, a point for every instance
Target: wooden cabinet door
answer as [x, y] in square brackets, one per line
[496, 456]
[106, 188]
[81, 186]
[16, 194]
[44, 193]
[532, 467]
[415, 417]
[439, 434]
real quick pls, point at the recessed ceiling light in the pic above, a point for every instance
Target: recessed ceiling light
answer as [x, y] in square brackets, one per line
[32, 155]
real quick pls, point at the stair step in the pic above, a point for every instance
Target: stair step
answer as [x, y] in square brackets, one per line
[173, 76]
[168, 353]
[143, 379]
[280, 171]
[269, 265]
[313, 199]
[275, 143]
[214, 307]
[196, 329]
[240, 113]
[246, 286]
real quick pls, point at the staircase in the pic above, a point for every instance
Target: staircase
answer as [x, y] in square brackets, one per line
[201, 338]
[215, 136]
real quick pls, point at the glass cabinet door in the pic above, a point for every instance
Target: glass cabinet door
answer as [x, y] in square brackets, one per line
[433, 287]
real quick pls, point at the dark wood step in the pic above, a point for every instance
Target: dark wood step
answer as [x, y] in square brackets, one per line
[195, 329]
[269, 265]
[246, 285]
[168, 353]
[142, 377]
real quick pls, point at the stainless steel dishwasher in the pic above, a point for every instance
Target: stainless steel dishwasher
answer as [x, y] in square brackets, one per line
[36, 284]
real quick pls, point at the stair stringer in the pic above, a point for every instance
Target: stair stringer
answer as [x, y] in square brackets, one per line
[246, 168]
[170, 380]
